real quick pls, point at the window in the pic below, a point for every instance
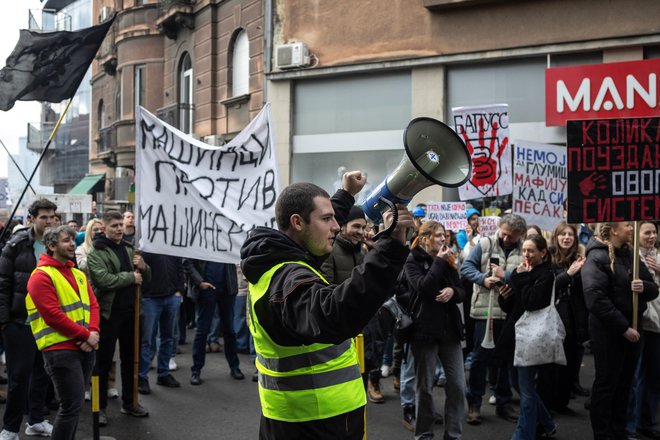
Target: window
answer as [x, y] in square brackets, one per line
[140, 78]
[101, 115]
[186, 94]
[240, 65]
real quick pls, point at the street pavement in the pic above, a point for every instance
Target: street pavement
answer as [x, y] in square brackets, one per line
[223, 408]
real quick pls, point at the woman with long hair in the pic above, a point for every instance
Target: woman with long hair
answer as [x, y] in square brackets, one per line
[437, 329]
[608, 291]
[93, 226]
[530, 289]
[645, 392]
[558, 381]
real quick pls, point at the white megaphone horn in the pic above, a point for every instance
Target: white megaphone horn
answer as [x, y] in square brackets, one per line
[435, 155]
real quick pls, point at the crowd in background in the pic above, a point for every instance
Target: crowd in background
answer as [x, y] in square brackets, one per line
[463, 292]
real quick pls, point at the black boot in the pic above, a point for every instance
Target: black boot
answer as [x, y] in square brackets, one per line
[409, 417]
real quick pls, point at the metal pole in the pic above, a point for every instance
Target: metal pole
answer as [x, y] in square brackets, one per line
[635, 295]
[43, 154]
[96, 404]
[16, 165]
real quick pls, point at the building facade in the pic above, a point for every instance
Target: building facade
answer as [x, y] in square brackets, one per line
[197, 65]
[67, 158]
[370, 71]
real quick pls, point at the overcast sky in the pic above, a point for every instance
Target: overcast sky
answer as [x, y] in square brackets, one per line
[13, 123]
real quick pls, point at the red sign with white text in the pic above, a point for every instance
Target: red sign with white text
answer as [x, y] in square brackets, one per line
[598, 91]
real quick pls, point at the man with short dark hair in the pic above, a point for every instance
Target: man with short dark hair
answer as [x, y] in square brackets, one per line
[73, 224]
[64, 317]
[116, 270]
[27, 381]
[129, 227]
[309, 379]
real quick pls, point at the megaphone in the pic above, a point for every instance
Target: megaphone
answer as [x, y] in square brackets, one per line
[434, 155]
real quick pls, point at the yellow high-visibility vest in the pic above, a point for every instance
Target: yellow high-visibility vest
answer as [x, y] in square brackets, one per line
[76, 307]
[306, 382]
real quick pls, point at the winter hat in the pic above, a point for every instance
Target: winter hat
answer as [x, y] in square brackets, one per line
[472, 211]
[355, 213]
[418, 212]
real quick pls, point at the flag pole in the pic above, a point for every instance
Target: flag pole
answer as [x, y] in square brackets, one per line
[16, 165]
[43, 154]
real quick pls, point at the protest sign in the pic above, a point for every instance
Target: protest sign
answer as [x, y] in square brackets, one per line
[613, 170]
[70, 203]
[488, 225]
[4, 193]
[450, 214]
[539, 183]
[199, 201]
[485, 130]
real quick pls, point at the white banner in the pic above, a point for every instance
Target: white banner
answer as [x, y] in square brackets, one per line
[70, 203]
[539, 183]
[200, 201]
[450, 214]
[485, 130]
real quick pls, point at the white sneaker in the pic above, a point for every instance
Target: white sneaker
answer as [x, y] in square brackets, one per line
[8, 435]
[43, 429]
[173, 365]
[385, 370]
[113, 393]
[88, 396]
[492, 399]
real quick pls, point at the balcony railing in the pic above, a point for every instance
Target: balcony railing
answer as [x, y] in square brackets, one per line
[47, 20]
[174, 15]
[38, 134]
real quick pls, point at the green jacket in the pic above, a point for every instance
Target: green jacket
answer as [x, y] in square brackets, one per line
[103, 266]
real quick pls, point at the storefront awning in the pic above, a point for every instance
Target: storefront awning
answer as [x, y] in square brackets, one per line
[88, 183]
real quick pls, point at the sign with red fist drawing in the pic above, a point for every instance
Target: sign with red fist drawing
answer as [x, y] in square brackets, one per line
[613, 170]
[485, 131]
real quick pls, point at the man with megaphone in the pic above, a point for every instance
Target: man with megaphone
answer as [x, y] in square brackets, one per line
[309, 378]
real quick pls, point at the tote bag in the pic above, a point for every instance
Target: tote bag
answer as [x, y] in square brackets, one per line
[540, 337]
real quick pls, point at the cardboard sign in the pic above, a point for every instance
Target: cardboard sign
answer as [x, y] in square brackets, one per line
[539, 183]
[613, 170]
[485, 130]
[488, 225]
[450, 214]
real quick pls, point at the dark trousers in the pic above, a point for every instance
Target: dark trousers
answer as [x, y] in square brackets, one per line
[374, 343]
[70, 372]
[27, 381]
[348, 426]
[207, 301]
[615, 360]
[483, 358]
[555, 382]
[120, 327]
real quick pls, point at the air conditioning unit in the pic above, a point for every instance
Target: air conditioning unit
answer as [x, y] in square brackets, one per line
[290, 56]
[106, 12]
[215, 139]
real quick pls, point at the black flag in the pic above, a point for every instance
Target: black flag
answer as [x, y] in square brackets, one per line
[49, 66]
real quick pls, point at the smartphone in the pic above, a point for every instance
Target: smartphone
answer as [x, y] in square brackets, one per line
[495, 260]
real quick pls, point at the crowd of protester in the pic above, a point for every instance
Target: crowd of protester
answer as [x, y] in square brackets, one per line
[464, 292]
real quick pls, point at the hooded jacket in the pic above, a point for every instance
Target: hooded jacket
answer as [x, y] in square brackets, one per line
[16, 265]
[344, 257]
[299, 307]
[44, 296]
[105, 273]
[608, 294]
[433, 320]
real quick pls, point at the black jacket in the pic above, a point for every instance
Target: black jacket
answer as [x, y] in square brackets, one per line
[16, 265]
[570, 303]
[194, 271]
[170, 279]
[340, 263]
[299, 308]
[531, 291]
[608, 295]
[433, 320]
